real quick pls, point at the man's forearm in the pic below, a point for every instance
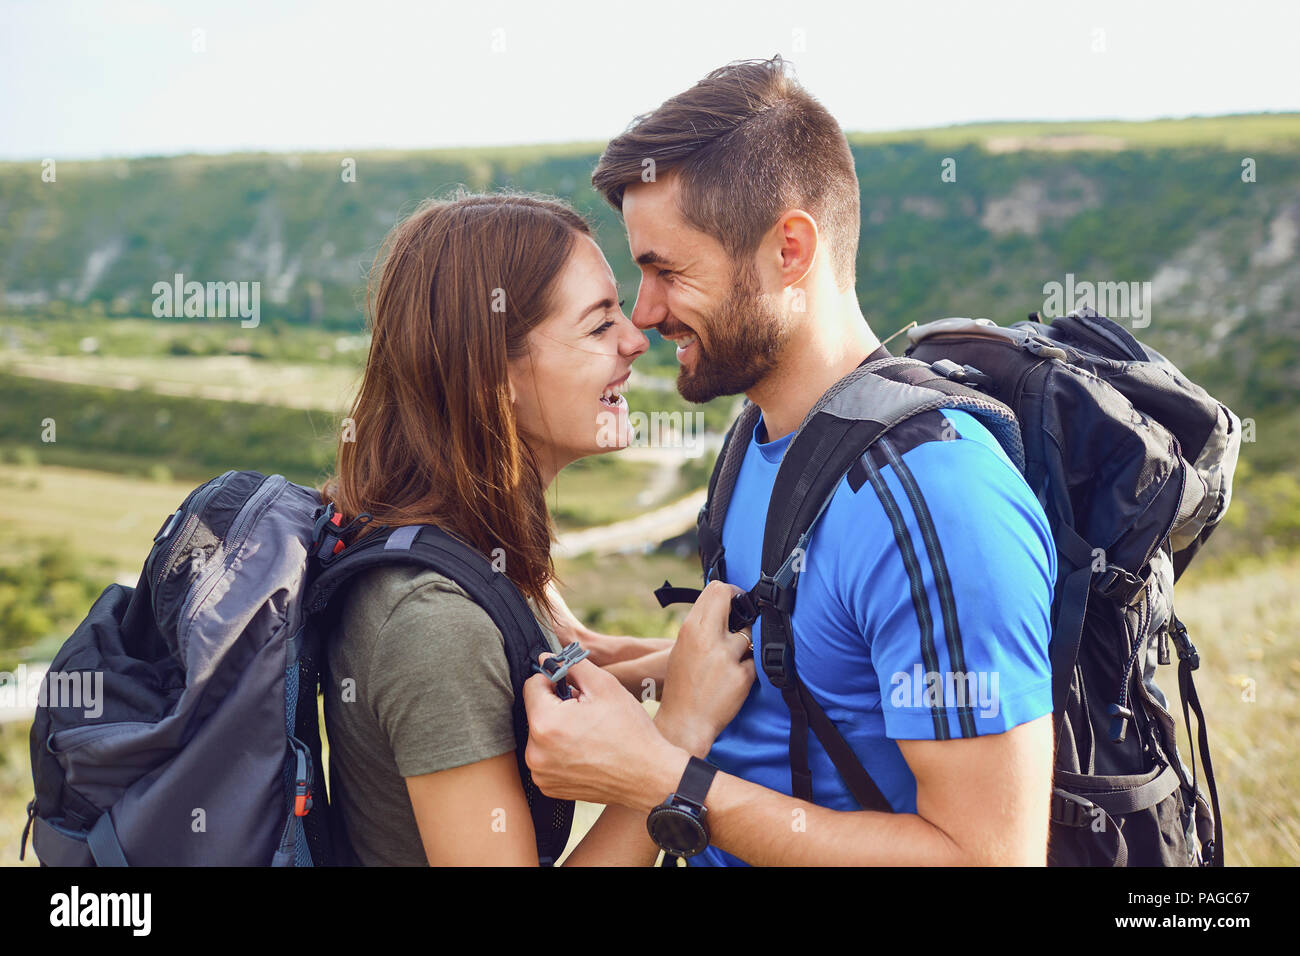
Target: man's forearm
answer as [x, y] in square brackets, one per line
[619, 836]
[767, 828]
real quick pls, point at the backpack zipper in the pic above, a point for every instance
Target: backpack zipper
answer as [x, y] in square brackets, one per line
[190, 523]
[235, 541]
[303, 772]
[71, 737]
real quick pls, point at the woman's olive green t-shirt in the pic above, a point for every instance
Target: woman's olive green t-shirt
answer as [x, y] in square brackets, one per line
[418, 682]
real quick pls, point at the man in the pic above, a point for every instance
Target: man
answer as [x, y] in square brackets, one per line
[741, 207]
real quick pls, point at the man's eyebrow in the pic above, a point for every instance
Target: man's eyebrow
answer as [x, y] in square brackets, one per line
[651, 258]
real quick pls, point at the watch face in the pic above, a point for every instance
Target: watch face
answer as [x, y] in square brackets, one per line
[677, 831]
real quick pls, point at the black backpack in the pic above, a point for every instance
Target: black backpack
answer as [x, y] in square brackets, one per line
[205, 745]
[1133, 466]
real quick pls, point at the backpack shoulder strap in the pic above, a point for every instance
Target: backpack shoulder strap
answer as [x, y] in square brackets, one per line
[837, 433]
[431, 547]
[722, 482]
[839, 430]
[709, 522]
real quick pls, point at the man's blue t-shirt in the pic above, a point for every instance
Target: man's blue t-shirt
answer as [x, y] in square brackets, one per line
[856, 632]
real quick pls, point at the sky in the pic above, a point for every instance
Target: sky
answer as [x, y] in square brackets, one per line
[146, 77]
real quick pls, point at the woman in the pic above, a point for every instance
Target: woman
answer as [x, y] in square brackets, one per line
[498, 356]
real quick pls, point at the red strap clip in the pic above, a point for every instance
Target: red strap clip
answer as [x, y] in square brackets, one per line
[336, 520]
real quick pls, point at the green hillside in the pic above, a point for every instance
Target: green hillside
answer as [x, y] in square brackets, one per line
[1161, 202]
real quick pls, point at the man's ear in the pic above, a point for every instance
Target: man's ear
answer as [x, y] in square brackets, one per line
[799, 240]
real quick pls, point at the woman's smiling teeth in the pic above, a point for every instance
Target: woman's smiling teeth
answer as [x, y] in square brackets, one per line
[613, 394]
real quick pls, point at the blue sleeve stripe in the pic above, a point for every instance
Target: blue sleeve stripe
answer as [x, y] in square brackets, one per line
[920, 600]
[951, 629]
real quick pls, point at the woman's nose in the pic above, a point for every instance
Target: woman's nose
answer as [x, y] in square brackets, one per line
[633, 341]
[647, 311]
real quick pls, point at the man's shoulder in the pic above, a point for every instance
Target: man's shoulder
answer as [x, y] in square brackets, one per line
[946, 453]
[941, 469]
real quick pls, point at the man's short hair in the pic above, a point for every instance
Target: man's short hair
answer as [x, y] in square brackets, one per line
[749, 142]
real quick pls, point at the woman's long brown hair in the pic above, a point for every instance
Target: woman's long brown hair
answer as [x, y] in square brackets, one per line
[433, 438]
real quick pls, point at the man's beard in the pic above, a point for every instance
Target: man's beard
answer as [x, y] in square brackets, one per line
[746, 337]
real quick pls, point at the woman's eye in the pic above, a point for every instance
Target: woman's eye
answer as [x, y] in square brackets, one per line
[601, 329]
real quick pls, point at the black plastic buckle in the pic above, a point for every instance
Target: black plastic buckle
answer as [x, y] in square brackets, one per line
[775, 659]
[1116, 584]
[766, 592]
[744, 612]
[962, 374]
[1070, 810]
[1186, 649]
[328, 538]
[717, 569]
[322, 540]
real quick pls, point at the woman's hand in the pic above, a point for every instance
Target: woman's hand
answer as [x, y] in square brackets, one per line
[710, 673]
[604, 649]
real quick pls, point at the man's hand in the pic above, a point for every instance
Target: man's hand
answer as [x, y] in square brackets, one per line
[600, 745]
[710, 673]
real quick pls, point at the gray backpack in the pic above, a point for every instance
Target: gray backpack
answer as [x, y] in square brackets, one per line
[202, 746]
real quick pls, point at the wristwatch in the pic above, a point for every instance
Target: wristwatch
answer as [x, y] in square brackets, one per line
[678, 824]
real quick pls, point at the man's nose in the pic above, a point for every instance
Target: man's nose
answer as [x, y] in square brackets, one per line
[649, 309]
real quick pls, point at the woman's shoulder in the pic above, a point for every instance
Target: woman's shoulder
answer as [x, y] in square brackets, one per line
[380, 596]
[394, 598]
[425, 658]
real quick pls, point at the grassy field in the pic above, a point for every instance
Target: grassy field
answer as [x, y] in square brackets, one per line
[1243, 625]
[222, 377]
[113, 518]
[103, 516]
[1241, 619]
[1262, 129]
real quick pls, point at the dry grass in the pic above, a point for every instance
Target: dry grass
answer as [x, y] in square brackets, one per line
[1244, 627]
[100, 515]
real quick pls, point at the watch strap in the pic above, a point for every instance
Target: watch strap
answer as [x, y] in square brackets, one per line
[696, 780]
